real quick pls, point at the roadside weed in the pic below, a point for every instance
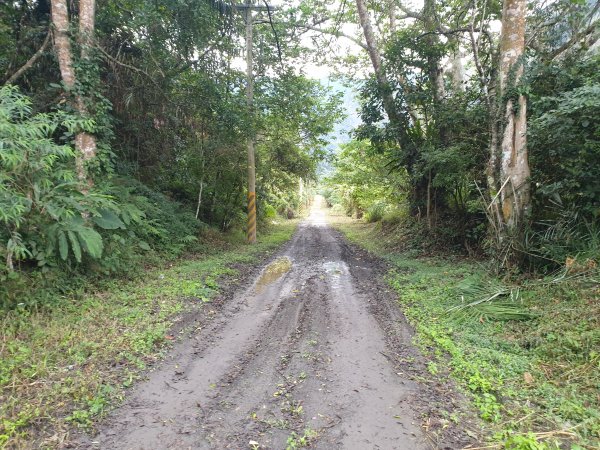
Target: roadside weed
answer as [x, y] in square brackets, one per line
[295, 440]
[526, 355]
[69, 365]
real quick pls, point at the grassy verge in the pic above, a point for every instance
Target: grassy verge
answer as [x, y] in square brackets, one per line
[68, 365]
[528, 358]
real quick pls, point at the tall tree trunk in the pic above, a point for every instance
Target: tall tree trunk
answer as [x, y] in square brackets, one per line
[85, 143]
[385, 91]
[373, 50]
[251, 224]
[509, 167]
[436, 82]
[62, 43]
[457, 67]
[435, 71]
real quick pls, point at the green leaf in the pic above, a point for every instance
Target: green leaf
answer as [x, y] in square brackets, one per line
[91, 241]
[13, 275]
[75, 246]
[63, 245]
[144, 245]
[108, 220]
[126, 217]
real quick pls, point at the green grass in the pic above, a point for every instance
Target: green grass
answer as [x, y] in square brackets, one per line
[528, 359]
[68, 365]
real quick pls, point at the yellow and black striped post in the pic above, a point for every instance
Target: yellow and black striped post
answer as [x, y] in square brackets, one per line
[251, 232]
[251, 217]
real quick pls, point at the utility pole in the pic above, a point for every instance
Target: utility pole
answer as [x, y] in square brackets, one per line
[250, 100]
[247, 10]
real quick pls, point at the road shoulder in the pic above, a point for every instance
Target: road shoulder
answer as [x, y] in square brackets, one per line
[64, 369]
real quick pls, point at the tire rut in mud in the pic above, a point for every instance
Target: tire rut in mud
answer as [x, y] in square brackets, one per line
[264, 399]
[320, 356]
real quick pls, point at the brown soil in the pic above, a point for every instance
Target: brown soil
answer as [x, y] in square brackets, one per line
[317, 345]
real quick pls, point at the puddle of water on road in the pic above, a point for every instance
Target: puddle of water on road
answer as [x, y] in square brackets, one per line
[273, 272]
[335, 270]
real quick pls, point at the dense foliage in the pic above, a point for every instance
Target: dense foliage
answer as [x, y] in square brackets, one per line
[436, 139]
[123, 144]
[160, 91]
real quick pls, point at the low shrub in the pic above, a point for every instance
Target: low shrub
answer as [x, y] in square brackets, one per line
[394, 216]
[375, 212]
[54, 233]
[338, 210]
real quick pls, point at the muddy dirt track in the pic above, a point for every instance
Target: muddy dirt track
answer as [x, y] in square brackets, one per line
[314, 346]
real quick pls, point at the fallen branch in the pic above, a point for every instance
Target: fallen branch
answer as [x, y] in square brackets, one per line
[498, 193]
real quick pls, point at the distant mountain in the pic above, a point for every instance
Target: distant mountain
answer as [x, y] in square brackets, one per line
[341, 134]
[342, 130]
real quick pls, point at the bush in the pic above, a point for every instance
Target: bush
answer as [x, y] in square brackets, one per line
[394, 216]
[564, 142]
[54, 233]
[338, 210]
[168, 227]
[375, 212]
[42, 204]
[565, 240]
[566, 155]
[269, 211]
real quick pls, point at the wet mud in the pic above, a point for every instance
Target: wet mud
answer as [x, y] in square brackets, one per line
[313, 351]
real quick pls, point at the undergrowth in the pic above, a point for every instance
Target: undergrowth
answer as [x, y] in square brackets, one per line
[526, 354]
[67, 365]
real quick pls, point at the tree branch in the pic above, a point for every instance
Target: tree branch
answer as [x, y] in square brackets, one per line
[409, 14]
[447, 31]
[30, 62]
[128, 66]
[335, 33]
[576, 37]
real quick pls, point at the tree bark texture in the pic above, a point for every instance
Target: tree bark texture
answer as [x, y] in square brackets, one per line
[62, 43]
[375, 56]
[457, 68]
[85, 143]
[509, 167]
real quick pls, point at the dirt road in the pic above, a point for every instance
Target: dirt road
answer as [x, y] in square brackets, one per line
[306, 353]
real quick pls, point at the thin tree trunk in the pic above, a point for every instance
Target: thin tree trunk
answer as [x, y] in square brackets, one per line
[62, 44]
[199, 199]
[429, 200]
[85, 143]
[375, 57]
[436, 81]
[87, 16]
[251, 230]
